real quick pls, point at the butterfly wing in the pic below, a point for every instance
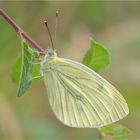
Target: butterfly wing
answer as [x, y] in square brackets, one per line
[80, 97]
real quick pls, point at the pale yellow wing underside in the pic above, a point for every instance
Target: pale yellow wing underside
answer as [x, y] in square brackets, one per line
[80, 97]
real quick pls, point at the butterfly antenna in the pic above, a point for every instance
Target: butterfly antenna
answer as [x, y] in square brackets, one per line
[46, 23]
[56, 23]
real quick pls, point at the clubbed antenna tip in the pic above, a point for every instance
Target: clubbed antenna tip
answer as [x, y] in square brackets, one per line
[45, 22]
[57, 13]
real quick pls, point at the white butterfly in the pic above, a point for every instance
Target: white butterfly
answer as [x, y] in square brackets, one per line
[79, 97]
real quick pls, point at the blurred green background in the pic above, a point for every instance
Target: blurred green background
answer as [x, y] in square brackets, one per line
[114, 24]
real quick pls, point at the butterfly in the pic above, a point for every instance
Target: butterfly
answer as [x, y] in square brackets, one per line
[79, 97]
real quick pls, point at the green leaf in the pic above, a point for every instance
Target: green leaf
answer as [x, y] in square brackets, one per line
[97, 57]
[36, 70]
[24, 69]
[114, 131]
[16, 70]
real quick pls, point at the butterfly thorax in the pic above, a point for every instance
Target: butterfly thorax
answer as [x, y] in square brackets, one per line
[47, 58]
[50, 54]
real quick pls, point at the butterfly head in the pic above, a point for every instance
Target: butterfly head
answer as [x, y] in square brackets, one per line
[50, 54]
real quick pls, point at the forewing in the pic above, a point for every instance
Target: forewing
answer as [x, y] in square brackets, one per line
[80, 97]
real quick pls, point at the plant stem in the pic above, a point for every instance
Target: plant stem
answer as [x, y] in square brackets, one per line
[20, 31]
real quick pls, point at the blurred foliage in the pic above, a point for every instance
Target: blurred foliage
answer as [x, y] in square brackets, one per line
[114, 23]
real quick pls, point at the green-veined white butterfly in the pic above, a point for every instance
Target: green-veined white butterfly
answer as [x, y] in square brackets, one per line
[79, 97]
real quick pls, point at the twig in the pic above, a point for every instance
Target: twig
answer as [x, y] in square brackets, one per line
[20, 31]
